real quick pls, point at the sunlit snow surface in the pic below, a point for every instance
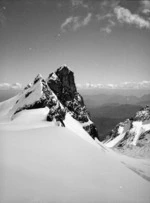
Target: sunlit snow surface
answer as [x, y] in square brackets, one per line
[44, 163]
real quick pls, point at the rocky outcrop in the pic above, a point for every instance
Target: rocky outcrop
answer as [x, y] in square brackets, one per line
[132, 134]
[143, 114]
[63, 85]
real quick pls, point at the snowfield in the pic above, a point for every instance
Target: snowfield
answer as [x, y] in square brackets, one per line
[41, 162]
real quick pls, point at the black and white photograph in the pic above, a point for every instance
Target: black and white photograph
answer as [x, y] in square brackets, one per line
[74, 101]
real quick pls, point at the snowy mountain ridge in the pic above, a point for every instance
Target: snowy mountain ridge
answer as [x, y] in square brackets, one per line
[59, 94]
[43, 161]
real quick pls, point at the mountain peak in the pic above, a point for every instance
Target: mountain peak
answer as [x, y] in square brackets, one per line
[64, 68]
[62, 83]
[37, 78]
[59, 94]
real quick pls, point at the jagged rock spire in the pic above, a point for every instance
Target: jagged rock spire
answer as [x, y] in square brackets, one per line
[62, 83]
[60, 95]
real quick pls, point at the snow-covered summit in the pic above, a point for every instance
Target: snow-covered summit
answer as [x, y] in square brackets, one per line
[35, 96]
[37, 78]
[59, 94]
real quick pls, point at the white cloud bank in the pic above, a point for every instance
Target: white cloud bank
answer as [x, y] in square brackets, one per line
[8, 86]
[125, 16]
[112, 14]
[124, 85]
[145, 6]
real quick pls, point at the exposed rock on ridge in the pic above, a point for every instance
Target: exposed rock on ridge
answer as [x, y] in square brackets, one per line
[63, 85]
[39, 95]
[59, 94]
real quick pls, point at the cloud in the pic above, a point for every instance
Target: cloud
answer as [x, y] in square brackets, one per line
[110, 22]
[109, 27]
[87, 19]
[110, 13]
[115, 14]
[75, 22]
[77, 3]
[67, 22]
[109, 3]
[16, 86]
[106, 29]
[145, 6]
[146, 3]
[103, 17]
[2, 16]
[124, 85]
[8, 86]
[5, 86]
[125, 16]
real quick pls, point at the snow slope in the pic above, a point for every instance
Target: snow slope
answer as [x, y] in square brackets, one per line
[45, 163]
[5, 107]
[27, 119]
[54, 165]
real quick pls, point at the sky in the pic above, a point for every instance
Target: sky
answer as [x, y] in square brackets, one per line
[102, 41]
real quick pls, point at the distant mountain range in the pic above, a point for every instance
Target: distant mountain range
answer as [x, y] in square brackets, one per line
[94, 101]
[107, 110]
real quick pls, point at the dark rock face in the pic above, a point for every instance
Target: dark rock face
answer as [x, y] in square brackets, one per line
[60, 95]
[63, 85]
[92, 130]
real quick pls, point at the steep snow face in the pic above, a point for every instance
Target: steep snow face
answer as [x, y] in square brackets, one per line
[53, 164]
[132, 131]
[74, 126]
